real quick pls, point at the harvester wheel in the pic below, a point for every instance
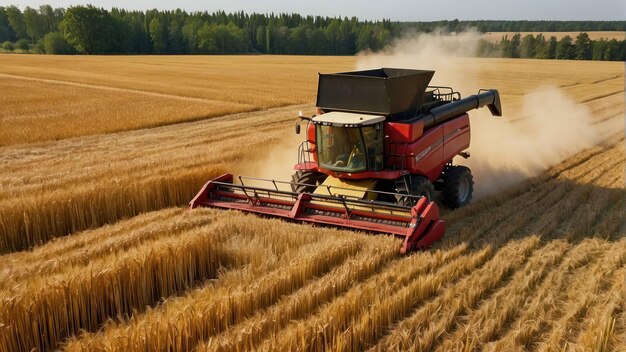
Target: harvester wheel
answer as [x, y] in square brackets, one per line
[458, 186]
[416, 186]
[309, 180]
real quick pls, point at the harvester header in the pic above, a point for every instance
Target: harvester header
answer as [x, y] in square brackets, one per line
[379, 150]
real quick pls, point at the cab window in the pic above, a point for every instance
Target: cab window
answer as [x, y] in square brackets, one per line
[341, 148]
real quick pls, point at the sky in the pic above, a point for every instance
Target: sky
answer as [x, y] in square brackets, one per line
[397, 10]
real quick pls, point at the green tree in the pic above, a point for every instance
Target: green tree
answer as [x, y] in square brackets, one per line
[157, 35]
[36, 26]
[541, 47]
[381, 37]
[54, 43]
[6, 31]
[583, 47]
[598, 49]
[237, 40]
[90, 29]
[510, 47]
[527, 47]
[347, 38]
[279, 36]
[565, 49]
[23, 45]
[297, 41]
[260, 39]
[175, 39]
[515, 44]
[207, 38]
[8, 46]
[190, 35]
[50, 17]
[365, 38]
[332, 37]
[551, 51]
[222, 39]
[506, 49]
[486, 48]
[16, 21]
[317, 42]
[615, 50]
[268, 38]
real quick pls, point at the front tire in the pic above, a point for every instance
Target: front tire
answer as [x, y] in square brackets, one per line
[458, 186]
[307, 181]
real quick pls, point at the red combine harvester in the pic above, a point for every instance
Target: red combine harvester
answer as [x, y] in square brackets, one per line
[382, 143]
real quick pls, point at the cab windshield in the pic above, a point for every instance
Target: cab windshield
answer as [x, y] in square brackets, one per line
[343, 148]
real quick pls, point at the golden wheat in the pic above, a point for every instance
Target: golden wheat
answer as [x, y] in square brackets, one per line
[539, 266]
[470, 289]
[213, 309]
[48, 98]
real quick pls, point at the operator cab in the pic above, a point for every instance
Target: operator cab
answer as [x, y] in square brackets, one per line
[349, 142]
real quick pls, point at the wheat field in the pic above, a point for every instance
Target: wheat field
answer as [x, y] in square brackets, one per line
[51, 98]
[99, 252]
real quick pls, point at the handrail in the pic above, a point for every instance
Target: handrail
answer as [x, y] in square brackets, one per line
[329, 187]
[304, 153]
[343, 200]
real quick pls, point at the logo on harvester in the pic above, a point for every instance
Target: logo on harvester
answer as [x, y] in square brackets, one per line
[419, 156]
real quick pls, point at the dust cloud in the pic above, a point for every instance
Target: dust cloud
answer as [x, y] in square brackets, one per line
[276, 163]
[547, 128]
[443, 52]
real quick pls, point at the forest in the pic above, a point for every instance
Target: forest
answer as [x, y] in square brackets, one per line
[93, 30]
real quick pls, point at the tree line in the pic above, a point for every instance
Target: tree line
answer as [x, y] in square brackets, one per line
[520, 26]
[93, 30]
[567, 48]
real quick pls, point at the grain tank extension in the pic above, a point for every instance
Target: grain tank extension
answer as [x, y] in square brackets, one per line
[376, 154]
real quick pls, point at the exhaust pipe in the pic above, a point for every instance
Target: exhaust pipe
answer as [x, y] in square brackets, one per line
[490, 97]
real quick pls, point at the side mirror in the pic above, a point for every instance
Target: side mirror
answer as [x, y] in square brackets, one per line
[297, 128]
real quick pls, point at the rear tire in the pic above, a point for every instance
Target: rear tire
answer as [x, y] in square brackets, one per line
[457, 187]
[310, 180]
[415, 186]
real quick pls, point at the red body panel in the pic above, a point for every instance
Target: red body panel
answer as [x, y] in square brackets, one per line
[456, 136]
[403, 132]
[409, 149]
[425, 155]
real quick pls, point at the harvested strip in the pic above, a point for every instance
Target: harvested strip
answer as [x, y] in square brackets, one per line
[544, 194]
[248, 334]
[598, 330]
[580, 296]
[321, 330]
[533, 318]
[384, 311]
[496, 313]
[423, 328]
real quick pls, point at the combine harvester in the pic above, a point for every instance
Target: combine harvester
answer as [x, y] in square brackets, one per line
[382, 143]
